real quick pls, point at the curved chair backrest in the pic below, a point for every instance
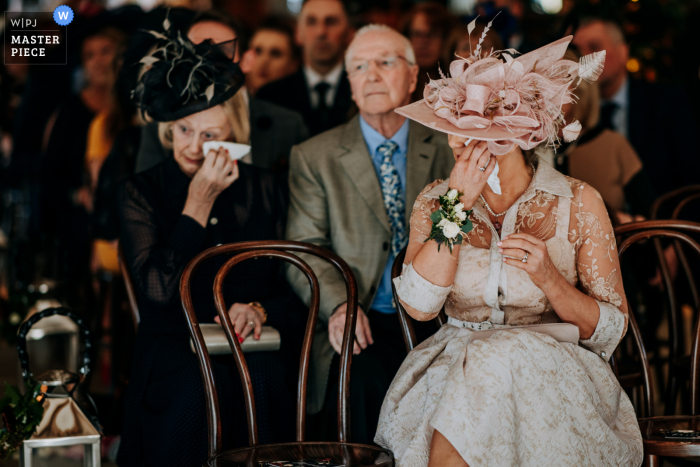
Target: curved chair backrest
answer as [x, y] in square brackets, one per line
[676, 195]
[694, 196]
[281, 250]
[635, 232]
[130, 290]
[409, 334]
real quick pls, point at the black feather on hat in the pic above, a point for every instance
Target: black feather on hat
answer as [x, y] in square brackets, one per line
[185, 78]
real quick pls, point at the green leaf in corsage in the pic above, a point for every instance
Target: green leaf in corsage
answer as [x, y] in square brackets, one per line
[450, 221]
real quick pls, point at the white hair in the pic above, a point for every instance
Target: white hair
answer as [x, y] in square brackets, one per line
[409, 54]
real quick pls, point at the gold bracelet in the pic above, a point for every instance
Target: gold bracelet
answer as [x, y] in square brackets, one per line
[260, 309]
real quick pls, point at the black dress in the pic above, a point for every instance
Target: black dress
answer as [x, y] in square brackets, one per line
[165, 417]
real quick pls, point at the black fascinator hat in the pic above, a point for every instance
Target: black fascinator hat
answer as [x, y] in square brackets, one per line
[185, 78]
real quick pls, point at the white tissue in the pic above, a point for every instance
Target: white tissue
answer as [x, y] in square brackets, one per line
[494, 182]
[235, 151]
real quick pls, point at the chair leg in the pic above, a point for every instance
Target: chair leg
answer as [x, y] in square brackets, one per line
[671, 394]
[651, 461]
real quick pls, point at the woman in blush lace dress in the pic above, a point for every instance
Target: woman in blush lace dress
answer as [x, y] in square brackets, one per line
[541, 251]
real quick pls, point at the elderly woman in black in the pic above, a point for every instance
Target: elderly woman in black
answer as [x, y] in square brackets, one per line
[170, 213]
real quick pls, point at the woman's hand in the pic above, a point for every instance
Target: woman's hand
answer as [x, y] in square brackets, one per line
[467, 176]
[543, 273]
[216, 174]
[245, 319]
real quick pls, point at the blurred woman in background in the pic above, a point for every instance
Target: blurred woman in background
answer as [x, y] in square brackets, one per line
[66, 179]
[272, 54]
[427, 25]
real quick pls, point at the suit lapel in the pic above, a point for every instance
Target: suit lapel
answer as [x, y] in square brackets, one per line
[358, 165]
[419, 160]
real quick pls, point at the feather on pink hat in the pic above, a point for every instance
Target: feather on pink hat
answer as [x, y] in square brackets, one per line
[506, 101]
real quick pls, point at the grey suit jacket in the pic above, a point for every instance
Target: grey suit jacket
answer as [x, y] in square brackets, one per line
[336, 202]
[273, 132]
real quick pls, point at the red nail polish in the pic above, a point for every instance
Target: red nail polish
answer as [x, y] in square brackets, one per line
[237, 335]
[240, 340]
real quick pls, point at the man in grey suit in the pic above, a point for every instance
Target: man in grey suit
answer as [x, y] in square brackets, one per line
[352, 190]
[273, 129]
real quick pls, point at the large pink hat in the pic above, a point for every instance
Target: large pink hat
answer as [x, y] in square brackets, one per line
[505, 100]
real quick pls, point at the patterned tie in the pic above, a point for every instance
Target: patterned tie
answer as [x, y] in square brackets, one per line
[393, 196]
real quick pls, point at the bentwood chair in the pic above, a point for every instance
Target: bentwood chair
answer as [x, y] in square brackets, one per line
[409, 333]
[130, 290]
[675, 202]
[652, 428]
[342, 452]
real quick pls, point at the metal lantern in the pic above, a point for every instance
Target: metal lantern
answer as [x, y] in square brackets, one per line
[64, 422]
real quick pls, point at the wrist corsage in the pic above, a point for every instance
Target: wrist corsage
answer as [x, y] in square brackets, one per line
[450, 221]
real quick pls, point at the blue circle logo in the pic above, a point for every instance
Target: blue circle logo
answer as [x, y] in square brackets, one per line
[63, 15]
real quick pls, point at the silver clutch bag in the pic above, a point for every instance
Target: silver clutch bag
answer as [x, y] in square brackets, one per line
[217, 344]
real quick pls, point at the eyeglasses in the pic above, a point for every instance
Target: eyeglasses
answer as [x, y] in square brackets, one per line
[383, 64]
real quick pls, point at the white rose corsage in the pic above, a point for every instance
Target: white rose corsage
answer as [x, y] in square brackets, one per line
[450, 221]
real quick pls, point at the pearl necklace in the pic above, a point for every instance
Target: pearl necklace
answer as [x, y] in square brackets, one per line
[488, 208]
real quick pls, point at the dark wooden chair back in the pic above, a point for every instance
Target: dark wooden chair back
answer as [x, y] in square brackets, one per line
[694, 196]
[671, 198]
[409, 334]
[281, 250]
[130, 290]
[636, 232]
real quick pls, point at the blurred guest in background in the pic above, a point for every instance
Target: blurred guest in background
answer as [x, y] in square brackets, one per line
[272, 130]
[428, 25]
[319, 91]
[273, 54]
[66, 181]
[168, 214]
[352, 190]
[640, 110]
[604, 158]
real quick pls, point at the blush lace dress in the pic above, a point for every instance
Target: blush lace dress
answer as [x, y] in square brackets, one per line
[519, 397]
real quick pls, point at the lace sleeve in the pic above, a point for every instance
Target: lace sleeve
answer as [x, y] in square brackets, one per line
[420, 216]
[413, 290]
[598, 268]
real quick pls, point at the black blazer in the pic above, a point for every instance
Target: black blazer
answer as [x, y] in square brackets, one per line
[292, 92]
[273, 132]
[661, 127]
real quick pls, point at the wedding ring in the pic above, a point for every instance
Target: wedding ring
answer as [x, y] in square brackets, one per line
[484, 167]
[524, 260]
[252, 323]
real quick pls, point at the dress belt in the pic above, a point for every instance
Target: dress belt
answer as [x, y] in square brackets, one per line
[484, 325]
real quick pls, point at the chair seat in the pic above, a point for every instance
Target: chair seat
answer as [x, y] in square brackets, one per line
[347, 454]
[655, 444]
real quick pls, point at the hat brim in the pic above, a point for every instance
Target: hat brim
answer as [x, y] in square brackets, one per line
[193, 108]
[421, 113]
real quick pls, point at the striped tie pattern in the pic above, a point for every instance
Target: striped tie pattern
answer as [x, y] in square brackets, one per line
[393, 197]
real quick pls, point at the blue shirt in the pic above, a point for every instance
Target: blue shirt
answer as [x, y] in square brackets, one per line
[384, 300]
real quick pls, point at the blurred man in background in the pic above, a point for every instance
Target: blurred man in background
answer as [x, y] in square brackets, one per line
[320, 90]
[656, 119]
